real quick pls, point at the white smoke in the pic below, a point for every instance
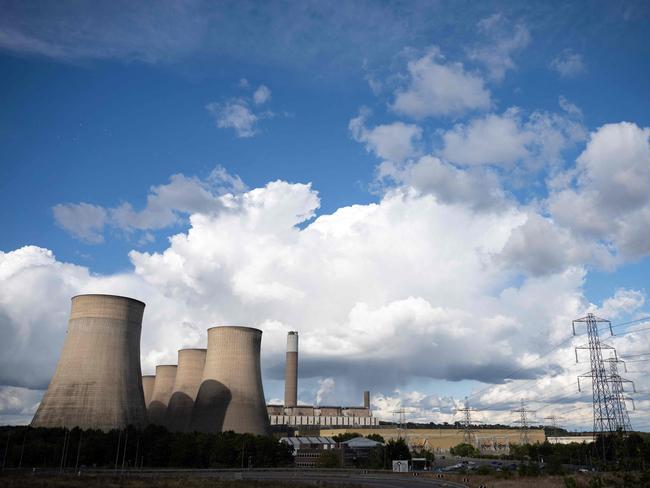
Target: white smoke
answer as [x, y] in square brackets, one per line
[325, 389]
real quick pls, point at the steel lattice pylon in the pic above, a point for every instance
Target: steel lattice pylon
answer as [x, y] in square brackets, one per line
[468, 431]
[603, 399]
[618, 395]
[523, 420]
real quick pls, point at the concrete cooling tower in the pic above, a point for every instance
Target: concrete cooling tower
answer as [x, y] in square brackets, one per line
[148, 382]
[162, 392]
[186, 386]
[97, 383]
[231, 396]
[291, 371]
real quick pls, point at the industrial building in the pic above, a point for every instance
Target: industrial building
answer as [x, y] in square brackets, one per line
[293, 415]
[97, 383]
[231, 395]
[191, 363]
[307, 450]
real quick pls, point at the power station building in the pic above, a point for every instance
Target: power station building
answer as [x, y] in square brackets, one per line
[97, 383]
[293, 415]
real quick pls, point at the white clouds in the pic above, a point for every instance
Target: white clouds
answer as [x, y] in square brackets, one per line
[438, 88]
[611, 196]
[509, 138]
[83, 220]
[234, 114]
[540, 247]
[502, 41]
[375, 290]
[261, 95]
[492, 139]
[393, 142]
[568, 64]
[238, 114]
[165, 204]
[430, 175]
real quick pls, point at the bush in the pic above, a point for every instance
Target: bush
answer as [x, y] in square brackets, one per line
[329, 459]
[484, 469]
[596, 482]
[570, 482]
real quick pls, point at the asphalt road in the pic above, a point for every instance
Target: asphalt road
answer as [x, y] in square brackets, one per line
[349, 477]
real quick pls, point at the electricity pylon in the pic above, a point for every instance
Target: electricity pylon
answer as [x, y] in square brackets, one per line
[621, 416]
[603, 400]
[523, 420]
[467, 429]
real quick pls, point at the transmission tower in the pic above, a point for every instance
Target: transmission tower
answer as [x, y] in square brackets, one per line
[554, 423]
[467, 429]
[603, 400]
[523, 420]
[621, 415]
[401, 422]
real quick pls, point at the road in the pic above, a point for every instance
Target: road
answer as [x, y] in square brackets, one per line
[371, 479]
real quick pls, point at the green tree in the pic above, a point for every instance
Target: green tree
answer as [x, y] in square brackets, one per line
[346, 436]
[396, 449]
[464, 450]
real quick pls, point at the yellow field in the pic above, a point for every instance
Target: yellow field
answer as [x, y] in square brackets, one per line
[440, 439]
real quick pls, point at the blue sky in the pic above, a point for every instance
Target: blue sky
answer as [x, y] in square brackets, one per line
[497, 114]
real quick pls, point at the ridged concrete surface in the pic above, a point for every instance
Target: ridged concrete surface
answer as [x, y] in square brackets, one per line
[148, 382]
[231, 396]
[162, 392]
[186, 386]
[97, 382]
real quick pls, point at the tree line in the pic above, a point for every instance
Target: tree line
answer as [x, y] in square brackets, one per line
[152, 447]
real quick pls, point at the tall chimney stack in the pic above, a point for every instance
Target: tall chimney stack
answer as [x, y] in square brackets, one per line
[291, 371]
[366, 399]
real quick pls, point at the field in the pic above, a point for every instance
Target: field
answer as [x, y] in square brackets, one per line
[440, 439]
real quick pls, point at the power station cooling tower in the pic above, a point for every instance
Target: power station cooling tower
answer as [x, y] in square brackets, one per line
[186, 386]
[231, 396]
[97, 383]
[162, 392]
[148, 383]
[291, 371]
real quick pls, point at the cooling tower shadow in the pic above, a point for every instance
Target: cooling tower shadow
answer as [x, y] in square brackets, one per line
[210, 407]
[179, 412]
[157, 411]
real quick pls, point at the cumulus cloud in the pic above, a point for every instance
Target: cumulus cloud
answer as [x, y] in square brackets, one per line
[375, 290]
[393, 142]
[568, 64]
[436, 87]
[450, 185]
[540, 247]
[166, 204]
[501, 40]
[83, 220]
[539, 139]
[607, 195]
